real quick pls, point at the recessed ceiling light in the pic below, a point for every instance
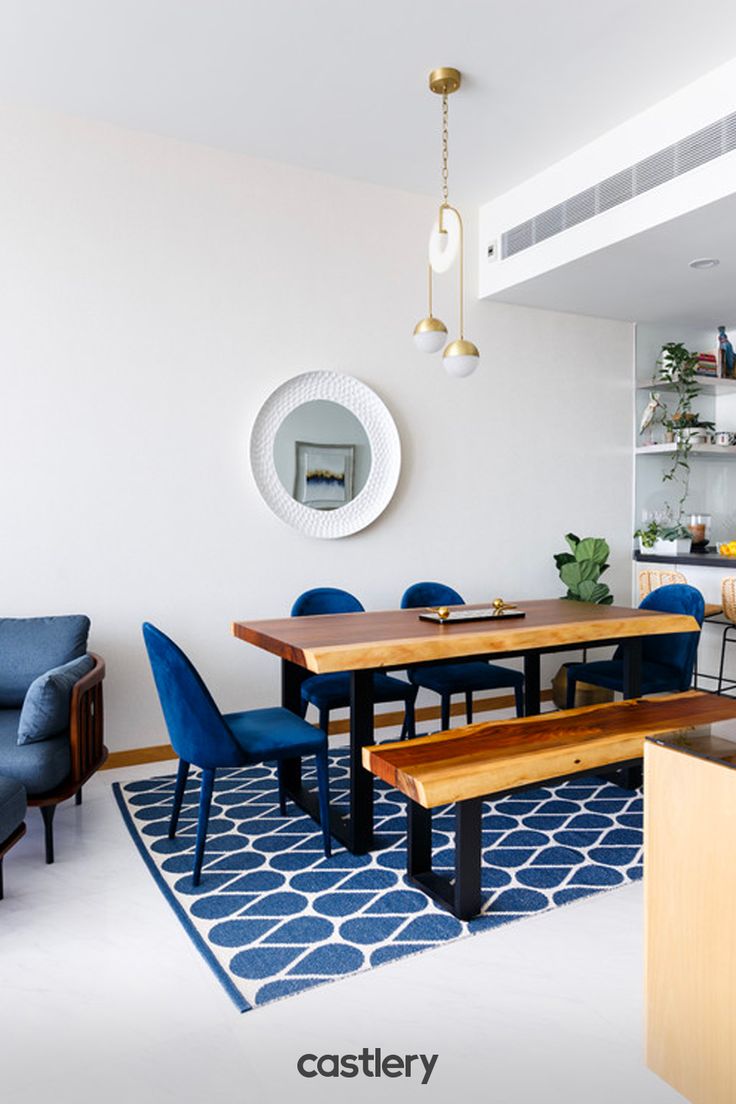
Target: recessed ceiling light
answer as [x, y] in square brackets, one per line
[705, 262]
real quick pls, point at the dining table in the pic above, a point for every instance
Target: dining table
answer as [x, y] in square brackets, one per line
[392, 640]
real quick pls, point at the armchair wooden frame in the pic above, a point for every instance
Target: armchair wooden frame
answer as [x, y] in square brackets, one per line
[87, 750]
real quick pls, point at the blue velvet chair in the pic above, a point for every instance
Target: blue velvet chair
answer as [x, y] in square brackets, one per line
[328, 692]
[203, 737]
[463, 677]
[667, 661]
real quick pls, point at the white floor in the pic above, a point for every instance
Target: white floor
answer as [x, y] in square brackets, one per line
[103, 997]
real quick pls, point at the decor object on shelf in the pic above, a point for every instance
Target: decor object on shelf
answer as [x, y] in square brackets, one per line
[581, 568]
[204, 737]
[446, 240]
[725, 355]
[648, 418]
[728, 548]
[698, 526]
[664, 538]
[51, 719]
[377, 452]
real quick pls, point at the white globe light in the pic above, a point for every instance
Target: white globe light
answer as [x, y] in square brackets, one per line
[430, 335]
[460, 358]
[443, 247]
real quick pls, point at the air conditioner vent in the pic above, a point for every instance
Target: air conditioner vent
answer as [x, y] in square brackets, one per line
[689, 153]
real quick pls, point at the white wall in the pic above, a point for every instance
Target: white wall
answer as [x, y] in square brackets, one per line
[153, 294]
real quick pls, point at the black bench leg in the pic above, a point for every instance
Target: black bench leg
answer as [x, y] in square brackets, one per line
[418, 839]
[467, 858]
[47, 812]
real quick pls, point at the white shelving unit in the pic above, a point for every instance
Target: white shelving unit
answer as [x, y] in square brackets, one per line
[710, 385]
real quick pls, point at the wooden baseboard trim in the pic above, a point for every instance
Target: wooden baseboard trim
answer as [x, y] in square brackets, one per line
[158, 753]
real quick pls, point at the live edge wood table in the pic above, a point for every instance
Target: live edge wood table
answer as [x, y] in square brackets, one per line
[362, 643]
[467, 766]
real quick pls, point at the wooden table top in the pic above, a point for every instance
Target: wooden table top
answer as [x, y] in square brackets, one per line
[492, 756]
[395, 638]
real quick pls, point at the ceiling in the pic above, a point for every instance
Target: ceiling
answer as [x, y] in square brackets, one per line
[647, 278]
[340, 85]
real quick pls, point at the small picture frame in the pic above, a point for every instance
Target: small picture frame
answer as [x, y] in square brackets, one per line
[324, 475]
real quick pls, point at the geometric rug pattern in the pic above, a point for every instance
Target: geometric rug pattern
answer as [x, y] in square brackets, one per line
[273, 917]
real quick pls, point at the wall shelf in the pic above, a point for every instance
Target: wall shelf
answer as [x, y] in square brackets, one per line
[723, 451]
[709, 385]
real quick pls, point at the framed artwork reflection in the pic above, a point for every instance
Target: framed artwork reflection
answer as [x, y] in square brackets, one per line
[324, 475]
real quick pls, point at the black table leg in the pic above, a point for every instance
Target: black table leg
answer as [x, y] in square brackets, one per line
[531, 684]
[467, 858]
[360, 831]
[632, 649]
[292, 677]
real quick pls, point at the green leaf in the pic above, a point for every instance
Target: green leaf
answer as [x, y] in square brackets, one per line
[594, 592]
[573, 574]
[572, 540]
[563, 558]
[592, 548]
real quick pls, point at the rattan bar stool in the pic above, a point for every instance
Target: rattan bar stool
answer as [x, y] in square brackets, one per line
[728, 600]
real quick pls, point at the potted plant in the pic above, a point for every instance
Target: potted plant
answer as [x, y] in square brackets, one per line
[683, 425]
[664, 538]
[580, 570]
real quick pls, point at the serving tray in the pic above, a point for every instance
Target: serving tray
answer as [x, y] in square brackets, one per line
[471, 615]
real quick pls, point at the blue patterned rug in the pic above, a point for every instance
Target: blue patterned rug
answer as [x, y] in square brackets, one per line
[273, 916]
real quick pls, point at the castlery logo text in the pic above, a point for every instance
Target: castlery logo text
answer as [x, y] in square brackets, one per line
[369, 1063]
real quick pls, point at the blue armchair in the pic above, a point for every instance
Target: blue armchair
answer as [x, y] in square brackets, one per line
[51, 719]
[203, 737]
[463, 677]
[328, 692]
[667, 661]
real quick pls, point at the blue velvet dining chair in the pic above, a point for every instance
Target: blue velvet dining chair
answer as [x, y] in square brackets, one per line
[667, 661]
[332, 691]
[465, 676]
[203, 737]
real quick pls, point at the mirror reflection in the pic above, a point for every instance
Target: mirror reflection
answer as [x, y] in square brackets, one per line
[322, 455]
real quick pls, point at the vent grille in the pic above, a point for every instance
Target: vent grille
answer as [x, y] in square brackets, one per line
[689, 153]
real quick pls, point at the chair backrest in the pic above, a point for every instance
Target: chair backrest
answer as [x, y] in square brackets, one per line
[325, 600]
[728, 597]
[31, 646]
[674, 650]
[430, 594]
[197, 731]
[650, 580]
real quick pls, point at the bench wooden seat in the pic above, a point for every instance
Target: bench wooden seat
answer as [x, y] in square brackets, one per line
[467, 765]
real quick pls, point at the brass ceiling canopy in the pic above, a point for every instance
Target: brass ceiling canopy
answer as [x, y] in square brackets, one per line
[445, 81]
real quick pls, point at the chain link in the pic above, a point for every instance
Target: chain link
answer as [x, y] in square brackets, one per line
[444, 148]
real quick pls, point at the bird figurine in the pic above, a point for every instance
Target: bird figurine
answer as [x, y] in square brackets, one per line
[442, 611]
[650, 411]
[499, 606]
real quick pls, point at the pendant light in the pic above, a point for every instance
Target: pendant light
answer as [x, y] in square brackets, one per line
[446, 241]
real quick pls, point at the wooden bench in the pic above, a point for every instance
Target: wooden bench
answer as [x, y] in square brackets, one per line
[468, 765]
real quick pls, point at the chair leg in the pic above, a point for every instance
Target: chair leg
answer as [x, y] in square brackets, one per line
[1, 879]
[303, 707]
[47, 812]
[205, 800]
[324, 720]
[323, 783]
[571, 688]
[181, 781]
[469, 707]
[78, 797]
[519, 695]
[724, 641]
[281, 774]
[445, 712]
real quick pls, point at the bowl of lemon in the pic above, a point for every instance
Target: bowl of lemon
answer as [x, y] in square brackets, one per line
[728, 548]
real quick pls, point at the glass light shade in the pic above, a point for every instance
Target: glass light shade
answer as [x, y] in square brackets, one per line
[443, 248]
[461, 358]
[430, 335]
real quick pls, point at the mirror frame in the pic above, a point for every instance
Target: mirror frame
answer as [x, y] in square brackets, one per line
[383, 438]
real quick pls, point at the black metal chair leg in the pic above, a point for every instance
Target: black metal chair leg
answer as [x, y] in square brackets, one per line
[519, 695]
[469, 707]
[410, 720]
[78, 797]
[724, 641]
[205, 800]
[47, 812]
[181, 781]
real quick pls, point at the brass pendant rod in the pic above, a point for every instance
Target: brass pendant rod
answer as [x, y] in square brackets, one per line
[455, 211]
[429, 269]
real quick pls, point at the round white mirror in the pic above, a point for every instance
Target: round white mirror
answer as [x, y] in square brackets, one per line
[325, 454]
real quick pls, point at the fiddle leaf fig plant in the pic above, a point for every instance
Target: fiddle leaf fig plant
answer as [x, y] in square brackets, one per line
[581, 568]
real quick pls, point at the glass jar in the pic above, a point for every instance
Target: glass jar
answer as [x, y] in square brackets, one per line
[699, 526]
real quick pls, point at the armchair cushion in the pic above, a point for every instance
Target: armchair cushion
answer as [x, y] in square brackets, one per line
[45, 709]
[29, 646]
[40, 767]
